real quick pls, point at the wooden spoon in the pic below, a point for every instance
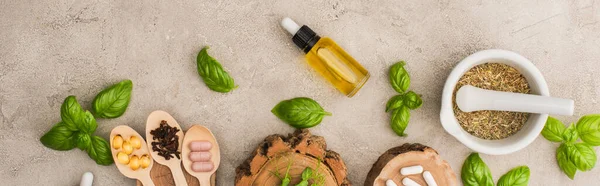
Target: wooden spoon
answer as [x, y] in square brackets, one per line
[174, 163]
[142, 174]
[200, 133]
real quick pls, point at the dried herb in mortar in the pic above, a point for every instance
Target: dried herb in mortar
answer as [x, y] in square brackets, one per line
[492, 125]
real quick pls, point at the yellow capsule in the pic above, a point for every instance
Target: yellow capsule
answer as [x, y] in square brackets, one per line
[145, 161]
[135, 142]
[117, 142]
[134, 163]
[127, 148]
[123, 158]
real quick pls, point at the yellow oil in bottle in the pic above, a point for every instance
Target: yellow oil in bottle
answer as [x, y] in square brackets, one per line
[339, 68]
[327, 58]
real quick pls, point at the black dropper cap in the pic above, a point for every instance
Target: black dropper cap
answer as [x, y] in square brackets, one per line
[305, 38]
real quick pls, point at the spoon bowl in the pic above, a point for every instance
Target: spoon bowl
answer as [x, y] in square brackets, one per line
[201, 133]
[142, 174]
[153, 122]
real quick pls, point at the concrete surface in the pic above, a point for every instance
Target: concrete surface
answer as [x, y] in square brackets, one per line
[55, 48]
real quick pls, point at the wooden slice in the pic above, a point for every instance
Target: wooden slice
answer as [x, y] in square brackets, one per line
[389, 164]
[297, 151]
[161, 175]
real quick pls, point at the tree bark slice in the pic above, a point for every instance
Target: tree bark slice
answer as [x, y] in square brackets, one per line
[389, 164]
[296, 151]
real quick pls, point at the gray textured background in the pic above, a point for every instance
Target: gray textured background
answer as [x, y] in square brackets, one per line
[55, 48]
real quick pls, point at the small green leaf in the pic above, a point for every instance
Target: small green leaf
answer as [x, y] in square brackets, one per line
[300, 112]
[582, 155]
[99, 151]
[59, 138]
[399, 77]
[285, 181]
[588, 128]
[570, 134]
[399, 120]
[409, 99]
[518, 176]
[307, 173]
[302, 183]
[113, 101]
[71, 113]
[394, 103]
[564, 163]
[475, 172]
[213, 74]
[412, 100]
[553, 130]
[84, 140]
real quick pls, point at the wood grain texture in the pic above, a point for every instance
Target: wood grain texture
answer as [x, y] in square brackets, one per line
[279, 154]
[161, 176]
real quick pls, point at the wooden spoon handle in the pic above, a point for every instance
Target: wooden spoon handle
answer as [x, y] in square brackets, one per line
[146, 181]
[205, 182]
[178, 176]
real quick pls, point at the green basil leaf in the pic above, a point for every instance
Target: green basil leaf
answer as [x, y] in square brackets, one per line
[412, 100]
[570, 134]
[302, 183]
[307, 173]
[588, 128]
[285, 181]
[60, 137]
[399, 77]
[87, 123]
[564, 163]
[83, 140]
[582, 155]
[99, 151]
[553, 130]
[71, 113]
[518, 176]
[213, 74]
[300, 112]
[475, 172]
[399, 120]
[113, 101]
[394, 103]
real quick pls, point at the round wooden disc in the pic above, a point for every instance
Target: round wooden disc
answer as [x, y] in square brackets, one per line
[299, 150]
[161, 175]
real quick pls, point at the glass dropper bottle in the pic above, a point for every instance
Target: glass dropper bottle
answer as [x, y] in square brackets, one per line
[327, 58]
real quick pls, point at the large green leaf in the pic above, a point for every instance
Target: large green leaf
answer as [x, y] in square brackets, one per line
[588, 128]
[300, 112]
[60, 137]
[213, 74]
[112, 102]
[475, 172]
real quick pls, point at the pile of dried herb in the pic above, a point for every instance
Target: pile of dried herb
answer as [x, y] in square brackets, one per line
[166, 141]
[487, 124]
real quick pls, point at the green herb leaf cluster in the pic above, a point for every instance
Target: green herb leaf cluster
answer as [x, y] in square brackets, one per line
[300, 112]
[400, 105]
[78, 125]
[573, 155]
[213, 74]
[476, 173]
[309, 174]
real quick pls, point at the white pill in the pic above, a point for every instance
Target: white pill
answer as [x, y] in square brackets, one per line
[87, 179]
[429, 178]
[408, 182]
[417, 169]
[390, 183]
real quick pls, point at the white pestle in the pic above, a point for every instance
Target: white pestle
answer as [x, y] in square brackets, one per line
[470, 98]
